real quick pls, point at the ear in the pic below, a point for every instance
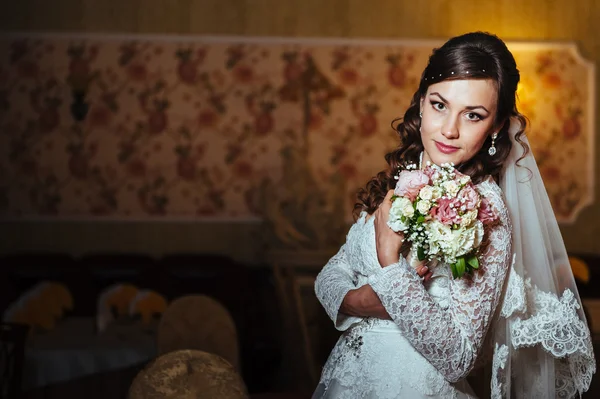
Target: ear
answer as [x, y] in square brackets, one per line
[421, 102]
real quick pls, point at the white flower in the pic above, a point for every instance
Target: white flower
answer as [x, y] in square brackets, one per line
[398, 225]
[407, 207]
[426, 193]
[451, 188]
[439, 236]
[468, 218]
[436, 192]
[464, 180]
[401, 209]
[465, 239]
[423, 206]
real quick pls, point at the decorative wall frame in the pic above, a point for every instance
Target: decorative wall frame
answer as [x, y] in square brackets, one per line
[236, 128]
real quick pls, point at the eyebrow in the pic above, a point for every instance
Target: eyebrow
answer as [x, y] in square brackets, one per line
[470, 107]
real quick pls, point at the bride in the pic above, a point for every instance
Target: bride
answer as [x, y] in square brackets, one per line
[413, 331]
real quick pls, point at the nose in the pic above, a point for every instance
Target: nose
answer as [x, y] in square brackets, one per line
[450, 127]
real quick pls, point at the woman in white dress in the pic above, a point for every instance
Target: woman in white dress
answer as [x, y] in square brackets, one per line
[411, 332]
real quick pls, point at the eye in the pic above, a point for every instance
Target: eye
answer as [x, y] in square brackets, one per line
[438, 106]
[472, 116]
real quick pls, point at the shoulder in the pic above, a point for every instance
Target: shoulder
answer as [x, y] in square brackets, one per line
[360, 221]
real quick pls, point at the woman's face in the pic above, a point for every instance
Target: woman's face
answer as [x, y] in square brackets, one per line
[458, 115]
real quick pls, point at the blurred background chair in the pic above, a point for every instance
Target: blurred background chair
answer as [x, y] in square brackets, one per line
[188, 374]
[201, 323]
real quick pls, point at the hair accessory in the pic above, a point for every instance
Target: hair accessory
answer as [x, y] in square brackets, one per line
[429, 78]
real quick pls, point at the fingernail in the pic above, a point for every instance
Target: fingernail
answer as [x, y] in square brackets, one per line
[425, 269]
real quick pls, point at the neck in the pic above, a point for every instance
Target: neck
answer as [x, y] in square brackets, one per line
[423, 159]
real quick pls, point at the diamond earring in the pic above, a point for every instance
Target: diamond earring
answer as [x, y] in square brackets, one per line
[492, 150]
[420, 114]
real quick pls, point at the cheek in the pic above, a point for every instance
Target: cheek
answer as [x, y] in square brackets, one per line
[429, 126]
[476, 140]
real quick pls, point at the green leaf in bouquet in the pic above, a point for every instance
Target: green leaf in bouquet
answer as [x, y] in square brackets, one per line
[473, 262]
[420, 219]
[394, 197]
[421, 253]
[454, 271]
[461, 266]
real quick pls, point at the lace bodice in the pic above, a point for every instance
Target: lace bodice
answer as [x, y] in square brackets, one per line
[448, 336]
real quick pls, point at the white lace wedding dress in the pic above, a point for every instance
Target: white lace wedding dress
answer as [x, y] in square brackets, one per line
[438, 328]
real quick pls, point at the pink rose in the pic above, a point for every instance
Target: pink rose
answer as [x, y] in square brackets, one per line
[445, 211]
[410, 182]
[486, 214]
[470, 196]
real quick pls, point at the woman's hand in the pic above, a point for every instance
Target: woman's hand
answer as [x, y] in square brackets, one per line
[363, 302]
[388, 242]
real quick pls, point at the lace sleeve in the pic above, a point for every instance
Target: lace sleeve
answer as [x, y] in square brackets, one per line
[331, 286]
[451, 338]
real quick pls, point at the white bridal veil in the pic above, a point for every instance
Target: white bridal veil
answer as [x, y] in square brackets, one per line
[541, 341]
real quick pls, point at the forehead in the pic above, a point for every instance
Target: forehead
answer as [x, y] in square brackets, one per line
[467, 92]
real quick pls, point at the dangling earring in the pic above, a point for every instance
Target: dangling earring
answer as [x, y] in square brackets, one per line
[492, 150]
[420, 116]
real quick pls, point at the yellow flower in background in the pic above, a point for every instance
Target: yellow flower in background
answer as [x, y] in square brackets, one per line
[580, 269]
[59, 295]
[40, 307]
[114, 301]
[147, 304]
[42, 313]
[117, 297]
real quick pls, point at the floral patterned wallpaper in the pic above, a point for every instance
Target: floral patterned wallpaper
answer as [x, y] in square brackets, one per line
[234, 128]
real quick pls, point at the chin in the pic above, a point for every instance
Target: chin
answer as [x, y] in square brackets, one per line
[443, 158]
[439, 158]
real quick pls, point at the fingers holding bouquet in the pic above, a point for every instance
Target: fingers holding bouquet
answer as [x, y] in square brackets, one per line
[388, 241]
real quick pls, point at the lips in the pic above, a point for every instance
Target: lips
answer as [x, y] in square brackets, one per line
[445, 149]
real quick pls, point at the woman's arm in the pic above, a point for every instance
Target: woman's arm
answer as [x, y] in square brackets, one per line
[346, 304]
[364, 302]
[332, 285]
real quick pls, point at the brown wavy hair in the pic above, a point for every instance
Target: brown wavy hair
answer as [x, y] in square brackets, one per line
[476, 55]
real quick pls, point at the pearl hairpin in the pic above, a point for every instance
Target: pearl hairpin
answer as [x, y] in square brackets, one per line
[451, 73]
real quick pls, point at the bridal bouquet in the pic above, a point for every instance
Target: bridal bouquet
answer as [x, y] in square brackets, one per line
[442, 214]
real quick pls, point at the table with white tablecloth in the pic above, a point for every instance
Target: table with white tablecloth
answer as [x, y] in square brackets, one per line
[74, 349]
